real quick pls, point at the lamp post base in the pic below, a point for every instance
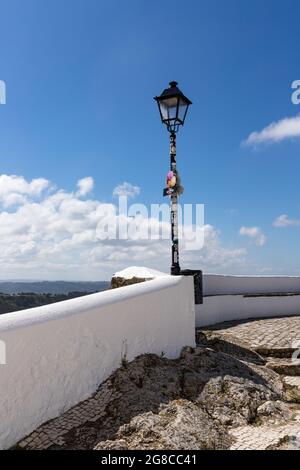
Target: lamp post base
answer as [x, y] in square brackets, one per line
[198, 283]
[175, 270]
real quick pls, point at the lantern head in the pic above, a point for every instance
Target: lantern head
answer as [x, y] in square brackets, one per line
[173, 107]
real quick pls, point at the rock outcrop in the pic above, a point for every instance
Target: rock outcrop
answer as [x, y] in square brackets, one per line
[134, 275]
[220, 395]
[185, 404]
[194, 402]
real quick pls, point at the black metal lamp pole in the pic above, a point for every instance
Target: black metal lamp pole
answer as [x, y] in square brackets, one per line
[173, 107]
[175, 268]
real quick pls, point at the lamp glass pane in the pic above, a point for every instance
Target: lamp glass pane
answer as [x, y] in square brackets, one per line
[182, 109]
[164, 110]
[171, 104]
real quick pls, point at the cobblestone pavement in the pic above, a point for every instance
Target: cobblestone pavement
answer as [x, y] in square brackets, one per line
[292, 381]
[267, 437]
[272, 333]
[51, 434]
[277, 337]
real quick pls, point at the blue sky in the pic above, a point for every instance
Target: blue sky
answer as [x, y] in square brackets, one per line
[80, 78]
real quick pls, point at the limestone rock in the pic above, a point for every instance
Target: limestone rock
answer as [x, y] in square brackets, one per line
[134, 275]
[276, 410]
[122, 282]
[184, 403]
[171, 429]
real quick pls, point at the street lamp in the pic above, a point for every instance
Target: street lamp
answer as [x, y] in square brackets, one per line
[173, 107]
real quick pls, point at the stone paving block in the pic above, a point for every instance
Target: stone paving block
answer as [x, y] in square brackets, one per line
[277, 333]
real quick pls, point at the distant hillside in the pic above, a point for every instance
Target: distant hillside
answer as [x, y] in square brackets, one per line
[52, 287]
[15, 302]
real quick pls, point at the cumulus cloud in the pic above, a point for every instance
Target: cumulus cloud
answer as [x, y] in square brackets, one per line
[85, 186]
[16, 190]
[284, 221]
[255, 233]
[214, 257]
[53, 235]
[286, 128]
[126, 189]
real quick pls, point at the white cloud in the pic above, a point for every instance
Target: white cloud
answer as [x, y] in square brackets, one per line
[286, 128]
[85, 186]
[284, 221]
[54, 237]
[255, 233]
[126, 189]
[15, 189]
[214, 257]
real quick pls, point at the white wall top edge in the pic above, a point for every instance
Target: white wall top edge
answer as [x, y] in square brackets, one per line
[80, 305]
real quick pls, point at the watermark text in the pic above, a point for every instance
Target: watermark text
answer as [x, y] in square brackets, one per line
[2, 92]
[296, 94]
[138, 222]
[2, 353]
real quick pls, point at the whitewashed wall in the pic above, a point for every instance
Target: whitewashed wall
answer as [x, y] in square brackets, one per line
[224, 299]
[58, 354]
[217, 284]
[220, 308]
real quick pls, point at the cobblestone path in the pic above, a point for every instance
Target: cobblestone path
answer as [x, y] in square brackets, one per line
[277, 340]
[268, 437]
[272, 334]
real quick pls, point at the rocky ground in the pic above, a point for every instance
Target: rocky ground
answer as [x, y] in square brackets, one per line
[221, 395]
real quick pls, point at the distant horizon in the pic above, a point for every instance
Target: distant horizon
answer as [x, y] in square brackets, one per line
[109, 279]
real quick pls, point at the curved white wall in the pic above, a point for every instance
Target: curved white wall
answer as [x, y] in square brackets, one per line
[58, 354]
[218, 284]
[225, 300]
[220, 308]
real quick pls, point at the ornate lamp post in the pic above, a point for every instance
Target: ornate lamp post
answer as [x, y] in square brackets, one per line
[173, 107]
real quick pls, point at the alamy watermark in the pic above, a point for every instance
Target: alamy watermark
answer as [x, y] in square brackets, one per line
[296, 94]
[2, 353]
[138, 222]
[295, 440]
[2, 92]
[296, 353]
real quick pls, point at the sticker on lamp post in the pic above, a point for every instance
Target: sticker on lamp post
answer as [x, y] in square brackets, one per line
[169, 191]
[173, 184]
